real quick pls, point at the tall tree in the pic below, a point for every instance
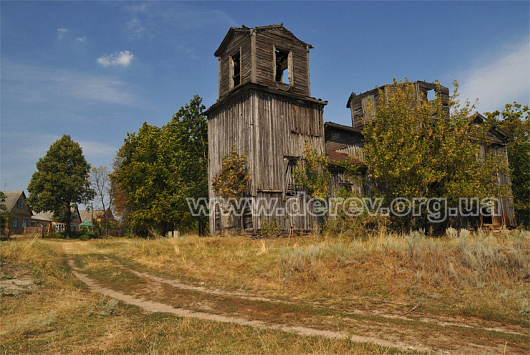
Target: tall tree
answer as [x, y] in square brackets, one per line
[61, 181]
[138, 174]
[100, 183]
[188, 163]
[514, 122]
[415, 148]
[158, 168]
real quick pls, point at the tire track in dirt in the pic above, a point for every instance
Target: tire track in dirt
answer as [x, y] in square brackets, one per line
[160, 307]
[183, 286]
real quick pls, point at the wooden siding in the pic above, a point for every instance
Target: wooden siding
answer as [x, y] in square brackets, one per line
[257, 60]
[265, 44]
[241, 42]
[267, 128]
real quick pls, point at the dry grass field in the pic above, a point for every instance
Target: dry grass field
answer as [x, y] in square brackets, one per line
[465, 293]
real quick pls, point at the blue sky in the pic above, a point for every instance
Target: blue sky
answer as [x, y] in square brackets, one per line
[96, 70]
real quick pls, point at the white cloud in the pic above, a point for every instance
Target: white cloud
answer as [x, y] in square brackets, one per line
[122, 58]
[499, 80]
[96, 149]
[30, 85]
[81, 39]
[61, 32]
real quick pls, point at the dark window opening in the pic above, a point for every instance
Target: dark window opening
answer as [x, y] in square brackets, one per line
[282, 66]
[290, 178]
[236, 69]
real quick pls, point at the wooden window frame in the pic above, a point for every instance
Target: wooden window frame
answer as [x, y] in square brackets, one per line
[235, 58]
[289, 67]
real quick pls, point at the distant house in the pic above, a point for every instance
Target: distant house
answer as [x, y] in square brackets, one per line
[21, 214]
[47, 220]
[96, 215]
[43, 219]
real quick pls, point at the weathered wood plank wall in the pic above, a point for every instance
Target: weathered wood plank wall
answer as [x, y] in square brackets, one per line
[268, 129]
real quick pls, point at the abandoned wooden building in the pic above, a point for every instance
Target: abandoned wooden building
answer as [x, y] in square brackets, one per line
[349, 140]
[265, 109]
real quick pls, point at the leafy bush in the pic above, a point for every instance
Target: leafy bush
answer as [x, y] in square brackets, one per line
[271, 228]
[86, 234]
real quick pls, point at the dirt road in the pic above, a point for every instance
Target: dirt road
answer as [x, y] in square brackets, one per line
[430, 334]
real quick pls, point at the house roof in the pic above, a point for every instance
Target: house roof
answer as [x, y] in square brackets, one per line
[47, 215]
[12, 196]
[86, 215]
[246, 30]
[43, 216]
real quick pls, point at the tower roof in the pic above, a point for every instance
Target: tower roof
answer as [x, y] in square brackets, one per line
[247, 30]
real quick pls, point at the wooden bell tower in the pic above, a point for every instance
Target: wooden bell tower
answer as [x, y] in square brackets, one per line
[266, 111]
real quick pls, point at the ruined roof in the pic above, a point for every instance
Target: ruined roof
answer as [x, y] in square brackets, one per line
[424, 84]
[247, 30]
[334, 156]
[497, 135]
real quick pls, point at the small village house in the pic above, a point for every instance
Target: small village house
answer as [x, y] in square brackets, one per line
[50, 224]
[19, 211]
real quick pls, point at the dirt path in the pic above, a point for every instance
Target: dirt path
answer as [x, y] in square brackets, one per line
[391, 334]
[160, 307]
[444, 322]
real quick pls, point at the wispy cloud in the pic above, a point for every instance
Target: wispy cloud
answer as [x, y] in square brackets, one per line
[61, 32]
[122, 58]
[81, 39]
[93, 149]
[499, 80]
[153, 18]
[29, 85]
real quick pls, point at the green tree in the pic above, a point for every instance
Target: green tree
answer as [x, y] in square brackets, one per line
[313, 174]
[187, 165]
[61, 181]
[232, 181]
[415, 148]
[514, 122]
[5, 216]
[158, 168]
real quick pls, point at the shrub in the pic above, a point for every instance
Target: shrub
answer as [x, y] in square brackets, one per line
[271, 228]
[86, 234]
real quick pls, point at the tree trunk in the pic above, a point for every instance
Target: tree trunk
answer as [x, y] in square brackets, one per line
[68, 221]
